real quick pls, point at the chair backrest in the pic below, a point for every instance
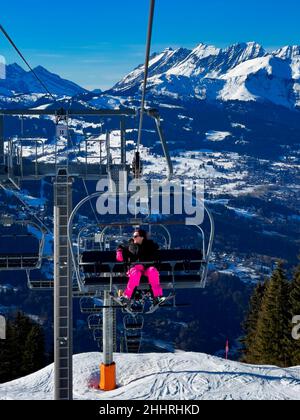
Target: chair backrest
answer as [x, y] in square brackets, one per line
[163, 255]
[185, 264]
[98, 257]
[180, 255]
[19, 246]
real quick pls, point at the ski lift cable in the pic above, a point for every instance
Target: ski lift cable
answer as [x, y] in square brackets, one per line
[26, 62]
[149, 38]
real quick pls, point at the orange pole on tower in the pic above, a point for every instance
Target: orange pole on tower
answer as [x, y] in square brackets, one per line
[107, 377]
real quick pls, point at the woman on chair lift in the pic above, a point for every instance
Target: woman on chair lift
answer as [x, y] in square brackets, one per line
[140, 249]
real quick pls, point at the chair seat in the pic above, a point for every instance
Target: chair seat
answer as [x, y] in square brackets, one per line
[105, 261]
[123, 280]
[18, 261]
[101, 268]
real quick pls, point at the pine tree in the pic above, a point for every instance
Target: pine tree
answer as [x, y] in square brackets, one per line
[272, 340]
[6, 355]
[295, 311]
[250, 325]
[33, 357]
[23, 350]
[22, 326]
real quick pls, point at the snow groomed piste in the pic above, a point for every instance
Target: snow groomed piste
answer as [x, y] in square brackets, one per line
[179, 376]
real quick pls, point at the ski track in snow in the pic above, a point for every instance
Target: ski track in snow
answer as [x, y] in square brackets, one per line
[179, 376]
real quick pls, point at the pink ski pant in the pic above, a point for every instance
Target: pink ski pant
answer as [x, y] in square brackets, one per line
[135, 274]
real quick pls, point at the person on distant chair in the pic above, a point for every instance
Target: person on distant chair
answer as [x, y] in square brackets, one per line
[140, 249]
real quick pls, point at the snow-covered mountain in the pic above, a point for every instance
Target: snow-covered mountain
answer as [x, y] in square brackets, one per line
[19, 81]
[179, 376]
[212, 62]
[159, 64]
[241, 72]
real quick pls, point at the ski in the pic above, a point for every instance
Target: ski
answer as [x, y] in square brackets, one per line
[126, 306]
[161, 304]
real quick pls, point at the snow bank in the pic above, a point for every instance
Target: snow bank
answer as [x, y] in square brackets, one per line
[185, 376]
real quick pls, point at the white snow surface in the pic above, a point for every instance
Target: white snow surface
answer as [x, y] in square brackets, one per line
[190, 66]
[213, 135]
[179, 376]
[263, 77]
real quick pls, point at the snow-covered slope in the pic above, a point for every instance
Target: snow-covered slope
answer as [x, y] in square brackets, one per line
[185, 376]
[196, 62]
[268, 78]
[159, 64]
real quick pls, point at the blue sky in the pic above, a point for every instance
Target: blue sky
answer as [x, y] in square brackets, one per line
[96, 42]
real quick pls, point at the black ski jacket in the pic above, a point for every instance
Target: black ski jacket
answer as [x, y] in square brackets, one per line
[147, 251]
